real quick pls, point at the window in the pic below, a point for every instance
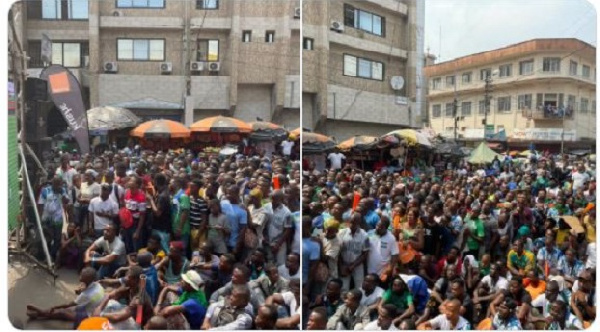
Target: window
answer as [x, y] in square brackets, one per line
[573, 68]
[524, 101]
[465, 108]
[69, 54]
[436, 83]
[364, 68]
[208, 50]
[584, 105]
[504, 104]
[141, 49]
[481, 109]
[270, 36]
[449, 110]
[505, 70]
[551, 64]
[466, 78]
[207, 4]
[526, 67]
[246, 36]
[449, 80]
[140, 3]
[585, 71]
[58, 9]
[308, 44]
[485, 73]
[363, 20]
[436, 111]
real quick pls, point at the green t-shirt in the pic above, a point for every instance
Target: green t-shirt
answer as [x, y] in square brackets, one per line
[402, 302]
[181, 203]
[476, 227]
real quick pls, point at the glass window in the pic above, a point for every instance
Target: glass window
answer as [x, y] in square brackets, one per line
[466, 78]
[551, 64]
[51, 9]
[585, 71]
[57, 53]
[140, 3]
[573, 68]
[377, 25]
[364, 68]
[125, 49]
[584, 105]
[308, 44]
[485, 73]
[66, 54]
[449, 80]
[349, 65]
[481, 109]
[505, 70]
[208, 50]
[246, 36]
[504, 104]
[524, 101]
[364, 20]
[436, 111]
[437, 83]
[525, 67]
[377, 72]
[270, 37]
[157, 50]
[449, 110]
[207, 4]
[78, 9]
[465, 108]
[141, 49]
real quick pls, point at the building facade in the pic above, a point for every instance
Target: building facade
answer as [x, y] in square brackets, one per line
[180, 60]
[534, 88]
[351, 52]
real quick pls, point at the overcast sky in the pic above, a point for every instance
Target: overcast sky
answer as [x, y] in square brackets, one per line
[472, 26]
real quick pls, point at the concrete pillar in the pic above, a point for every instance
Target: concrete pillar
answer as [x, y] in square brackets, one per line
[95, 67]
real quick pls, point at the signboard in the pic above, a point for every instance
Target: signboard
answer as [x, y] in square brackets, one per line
[473, 133]
[544, 134]
[489, 131]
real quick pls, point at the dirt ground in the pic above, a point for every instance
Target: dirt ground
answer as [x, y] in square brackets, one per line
[28, 284]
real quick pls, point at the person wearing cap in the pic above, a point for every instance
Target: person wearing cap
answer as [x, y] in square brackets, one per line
[102, 210]
[187, 299]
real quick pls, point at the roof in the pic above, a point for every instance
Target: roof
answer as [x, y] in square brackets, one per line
[512, 51]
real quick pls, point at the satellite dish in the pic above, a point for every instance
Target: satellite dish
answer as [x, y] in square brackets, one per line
[397, 82]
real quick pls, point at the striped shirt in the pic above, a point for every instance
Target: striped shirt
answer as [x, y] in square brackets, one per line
[198, 211]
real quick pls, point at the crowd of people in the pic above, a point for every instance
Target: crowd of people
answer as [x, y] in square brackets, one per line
[507, 246]
[176, 240]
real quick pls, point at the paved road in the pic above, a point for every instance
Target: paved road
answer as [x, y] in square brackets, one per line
[28, 284]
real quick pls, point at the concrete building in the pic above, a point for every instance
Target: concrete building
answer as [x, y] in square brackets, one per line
[182, 60]
[351, 51]
[532, 85]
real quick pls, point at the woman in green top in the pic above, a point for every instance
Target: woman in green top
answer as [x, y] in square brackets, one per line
[399, 295]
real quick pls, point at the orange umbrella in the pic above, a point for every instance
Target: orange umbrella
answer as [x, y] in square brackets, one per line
[262, 130]
[221, 124]
[359, 142]
[95, 323]
[161, 129]
[296, 132]
[316, 143]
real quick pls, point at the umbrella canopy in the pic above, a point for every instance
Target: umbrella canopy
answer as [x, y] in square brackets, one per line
[221, 124]
[316, 143]
[359, 142]
[450, 148]
[110, 117]
[296, 132]
[411, 136]
[161, 129]
[267, 131]
[483, 155]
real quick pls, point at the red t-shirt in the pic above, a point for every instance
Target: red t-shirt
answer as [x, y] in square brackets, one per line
[136, 203]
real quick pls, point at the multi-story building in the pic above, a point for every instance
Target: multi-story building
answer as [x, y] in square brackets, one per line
[351, 51]
[182, 60]
[534, 88]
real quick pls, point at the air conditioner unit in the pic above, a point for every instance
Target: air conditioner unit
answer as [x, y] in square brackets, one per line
[214, 66]
[197, 66]
[166, 67]
[117, 13]
[297, 12]
[110, 67]
[337, 26]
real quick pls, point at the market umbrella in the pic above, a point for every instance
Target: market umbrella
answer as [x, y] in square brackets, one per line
[411, 136]
[161, 129]
[110, 118]
[296, 132]
[220, 124]
[265, 131]
[448, 148]
[316, 143]
[483, 155]
[358, 142]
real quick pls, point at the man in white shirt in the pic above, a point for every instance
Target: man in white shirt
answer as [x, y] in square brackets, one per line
[286, 147]
[336, 158]
[113, 253]
[117, 192]
[387, 313]
[354, 252]
[102, 210]
[451, 320]
[371, 293]
[384, 249]
[579, 178]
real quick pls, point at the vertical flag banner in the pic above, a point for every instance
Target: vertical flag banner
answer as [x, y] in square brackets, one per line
[65, 92]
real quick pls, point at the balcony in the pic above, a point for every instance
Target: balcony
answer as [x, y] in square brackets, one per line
[548, 113]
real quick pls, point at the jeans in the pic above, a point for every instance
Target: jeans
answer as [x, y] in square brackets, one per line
[131, 245]
[104, 271]
[54, 233]
[164, 239]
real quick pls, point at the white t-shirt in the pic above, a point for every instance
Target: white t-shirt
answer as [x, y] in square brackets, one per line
[382, 250]
[591, 255]
[285, 273]
[117, 247]
[66, 176]
[368, 300]
[336, 160]
[107, 206]
[287, 147]
[290, 301]
[579, 179]
[541, 301]
[353, 245]
[374, 326]
[120, 191]
[442, 323]
[90, 191]
[502, 283]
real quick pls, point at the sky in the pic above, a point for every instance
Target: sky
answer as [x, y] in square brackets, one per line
[472, 26]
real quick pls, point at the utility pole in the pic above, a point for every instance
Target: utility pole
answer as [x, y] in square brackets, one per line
[455, 114]
[488, 90]
[562, 136]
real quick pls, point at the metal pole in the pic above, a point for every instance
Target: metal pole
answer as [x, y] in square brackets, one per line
[488, 81]
[562, 136]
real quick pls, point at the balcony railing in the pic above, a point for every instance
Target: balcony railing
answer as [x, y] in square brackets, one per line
[548, 113]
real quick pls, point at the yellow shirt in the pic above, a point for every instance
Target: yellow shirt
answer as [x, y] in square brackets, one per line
[590, 229]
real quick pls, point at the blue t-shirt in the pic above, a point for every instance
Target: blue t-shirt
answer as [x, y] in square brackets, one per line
[237, 218]
[194, 313]
[310, 252]
[372, 218]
